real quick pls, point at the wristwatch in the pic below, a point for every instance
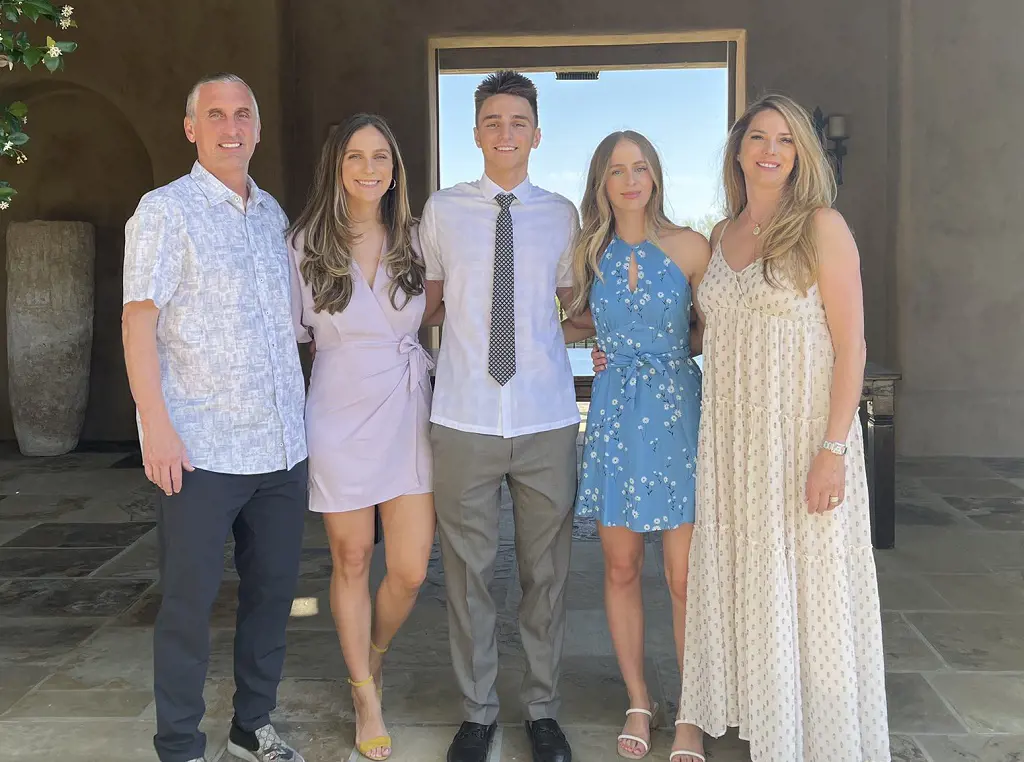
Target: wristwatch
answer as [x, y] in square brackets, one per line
[838, 448]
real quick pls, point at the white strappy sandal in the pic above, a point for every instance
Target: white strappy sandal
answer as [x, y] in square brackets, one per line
[684, 752]
[650, 714]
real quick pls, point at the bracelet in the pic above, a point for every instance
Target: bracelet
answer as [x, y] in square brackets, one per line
[837, 448]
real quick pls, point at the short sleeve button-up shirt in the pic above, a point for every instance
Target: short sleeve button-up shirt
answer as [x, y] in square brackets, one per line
[218, 271]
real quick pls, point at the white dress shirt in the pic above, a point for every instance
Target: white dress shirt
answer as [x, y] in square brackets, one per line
[457, 236]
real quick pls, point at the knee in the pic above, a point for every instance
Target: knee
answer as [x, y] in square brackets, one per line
[676, 580]
[407, 577]
[623, 571]
[352, 562]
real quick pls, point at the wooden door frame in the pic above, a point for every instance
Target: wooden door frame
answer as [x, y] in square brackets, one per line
[737, 84]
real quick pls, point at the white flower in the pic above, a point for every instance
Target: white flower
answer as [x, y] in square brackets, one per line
[66, 11]
[53, 52]
[24, 120]
[4, 204]
[8, 145]
[22, 158]
[65, 23]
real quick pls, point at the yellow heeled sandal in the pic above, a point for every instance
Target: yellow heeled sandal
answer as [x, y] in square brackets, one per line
[365, 747]
[380, 685]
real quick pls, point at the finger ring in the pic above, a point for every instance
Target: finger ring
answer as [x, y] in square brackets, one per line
[833, 499]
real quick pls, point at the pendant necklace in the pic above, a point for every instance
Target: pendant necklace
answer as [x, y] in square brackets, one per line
[757, 225]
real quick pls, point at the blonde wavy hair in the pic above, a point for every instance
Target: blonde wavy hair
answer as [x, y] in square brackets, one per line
[597, 218]
[327, 228]
[789, 257]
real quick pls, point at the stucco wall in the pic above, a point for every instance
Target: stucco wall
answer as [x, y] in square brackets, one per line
[109, 127]
[831, 53]
[960, 295]
[931, 191]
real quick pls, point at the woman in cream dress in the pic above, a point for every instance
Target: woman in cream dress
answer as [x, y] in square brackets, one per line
[783, 631]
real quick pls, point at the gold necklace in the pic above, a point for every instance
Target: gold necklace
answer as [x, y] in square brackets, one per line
[757, 225]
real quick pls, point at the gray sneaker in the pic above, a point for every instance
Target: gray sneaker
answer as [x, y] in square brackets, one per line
[262, 745]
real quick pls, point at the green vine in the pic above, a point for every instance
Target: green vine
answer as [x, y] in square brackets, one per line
[16, 48]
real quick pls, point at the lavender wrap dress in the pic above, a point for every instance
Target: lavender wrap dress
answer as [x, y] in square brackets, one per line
[368, 406]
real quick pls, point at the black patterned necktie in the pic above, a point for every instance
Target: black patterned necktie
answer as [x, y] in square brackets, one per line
[501, 354]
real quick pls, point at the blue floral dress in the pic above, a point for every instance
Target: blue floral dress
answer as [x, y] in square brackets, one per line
[640, 452]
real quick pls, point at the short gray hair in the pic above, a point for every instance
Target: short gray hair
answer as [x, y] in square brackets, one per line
[193, 94]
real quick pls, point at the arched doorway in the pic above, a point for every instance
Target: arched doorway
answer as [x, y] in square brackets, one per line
[86, 162]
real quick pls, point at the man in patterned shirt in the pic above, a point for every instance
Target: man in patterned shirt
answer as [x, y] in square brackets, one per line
[214, 369]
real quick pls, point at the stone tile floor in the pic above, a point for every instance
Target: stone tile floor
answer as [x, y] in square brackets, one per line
[78, 597]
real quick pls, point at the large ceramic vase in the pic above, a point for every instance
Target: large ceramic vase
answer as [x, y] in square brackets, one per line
[49, 331]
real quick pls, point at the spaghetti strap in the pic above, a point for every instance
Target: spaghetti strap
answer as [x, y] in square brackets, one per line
[721, 235]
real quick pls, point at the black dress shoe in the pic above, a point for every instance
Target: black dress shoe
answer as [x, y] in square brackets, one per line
[548, 742]
[472, 742]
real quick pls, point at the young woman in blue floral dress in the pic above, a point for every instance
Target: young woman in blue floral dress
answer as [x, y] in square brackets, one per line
[635, 276]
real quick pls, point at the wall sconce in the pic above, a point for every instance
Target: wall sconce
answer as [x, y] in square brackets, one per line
[832, 128]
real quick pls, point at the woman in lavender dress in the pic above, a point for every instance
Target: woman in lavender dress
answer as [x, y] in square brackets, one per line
[359, 294]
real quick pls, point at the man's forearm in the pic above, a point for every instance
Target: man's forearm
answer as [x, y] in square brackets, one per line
[573, 332]
[138, 334]
[435, 318]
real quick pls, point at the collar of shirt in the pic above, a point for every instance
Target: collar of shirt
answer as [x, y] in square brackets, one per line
[490, 189]
[216, 191]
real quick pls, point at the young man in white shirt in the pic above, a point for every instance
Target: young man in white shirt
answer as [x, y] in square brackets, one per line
[497, 252]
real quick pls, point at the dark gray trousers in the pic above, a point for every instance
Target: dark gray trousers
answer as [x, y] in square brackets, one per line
[265, 512]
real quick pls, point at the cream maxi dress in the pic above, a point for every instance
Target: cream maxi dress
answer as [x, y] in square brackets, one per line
[783, 631]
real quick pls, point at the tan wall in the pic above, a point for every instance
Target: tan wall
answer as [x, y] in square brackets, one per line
[961, 233]
[109, 128]
[831, 53]
[928, 86]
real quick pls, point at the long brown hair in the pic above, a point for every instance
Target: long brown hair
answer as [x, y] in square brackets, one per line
[597, 219]
[787, 243]
[327, 228]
